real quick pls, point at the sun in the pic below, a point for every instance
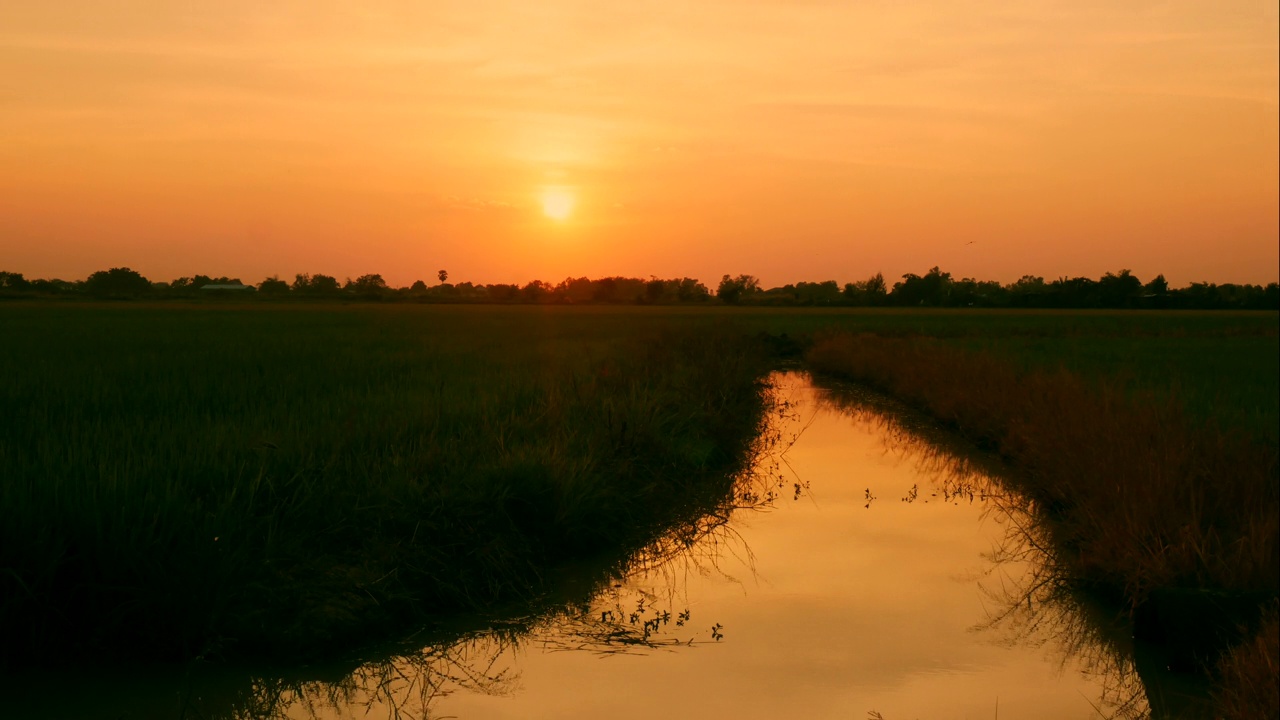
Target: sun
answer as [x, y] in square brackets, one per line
[558, 202]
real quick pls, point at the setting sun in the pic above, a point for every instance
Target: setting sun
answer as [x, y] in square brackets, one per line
[557, 202]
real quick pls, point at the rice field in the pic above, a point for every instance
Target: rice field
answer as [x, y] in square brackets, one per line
[217, 480]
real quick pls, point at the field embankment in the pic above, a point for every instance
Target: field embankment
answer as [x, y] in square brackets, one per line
[186, 482]
[1179, 518]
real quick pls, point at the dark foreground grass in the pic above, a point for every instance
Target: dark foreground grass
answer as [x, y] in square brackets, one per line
[184, 482]
[1179, 518]
[1247, 686]
[213, 479]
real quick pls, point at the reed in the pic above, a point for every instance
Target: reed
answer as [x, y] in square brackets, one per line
[1178, 518]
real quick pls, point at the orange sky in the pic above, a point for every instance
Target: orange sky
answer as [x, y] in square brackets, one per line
[793, 140]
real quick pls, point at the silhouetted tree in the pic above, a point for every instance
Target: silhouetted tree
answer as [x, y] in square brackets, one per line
[817, 293]
[117, 283]
[443, 275]
[273, 286]
[1028, 291]
[1078, 292]
[1157, 287]
[933, 289]
[606, 290]
[502, 293]
[734, 290]
[316, 285]
[654, 290]
[52, 287]
[870, 292]
[369, 287]
[574, 290]
[1155, 294]
[13, 281]
[536, 291]
[1119, 290]
[324, 285]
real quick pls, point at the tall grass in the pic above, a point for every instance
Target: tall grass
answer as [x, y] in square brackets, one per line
[211, 482]
[1180, 519]
[1247, 688]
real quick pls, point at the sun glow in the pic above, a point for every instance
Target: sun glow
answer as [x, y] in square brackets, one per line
[558, 202]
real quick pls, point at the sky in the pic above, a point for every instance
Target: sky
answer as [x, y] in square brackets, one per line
[506, 141]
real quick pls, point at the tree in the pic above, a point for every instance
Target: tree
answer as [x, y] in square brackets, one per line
[369, 286]
[1119, 290]
[732, 290]
[876, 289]
[820, 293]
[1155, 294]
[315, 284]
[273, 286]
[117, 282]
[1158, 287]
[13, 281]
[324, 285]
[443, 275]
[1078, 292]
[933, 289]
[502, 292]
[606, 290]
[871, 291]
[575, 290]
[654, 290]
[535, 291]
[1028, 291]
[690, 290]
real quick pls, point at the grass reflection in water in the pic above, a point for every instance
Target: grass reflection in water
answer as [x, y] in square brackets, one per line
[1033, 600]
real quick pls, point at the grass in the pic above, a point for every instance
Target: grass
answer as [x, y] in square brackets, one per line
[185, 482]
[212, 479]
[1247, 688]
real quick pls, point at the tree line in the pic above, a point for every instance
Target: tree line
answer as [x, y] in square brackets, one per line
[932, 289]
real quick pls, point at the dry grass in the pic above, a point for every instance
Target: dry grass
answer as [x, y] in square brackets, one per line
[1145, 503]
[1247, 684]
[1247, 676]
[1147, 499]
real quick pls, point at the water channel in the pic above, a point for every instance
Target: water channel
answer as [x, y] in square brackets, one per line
[875, 574]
